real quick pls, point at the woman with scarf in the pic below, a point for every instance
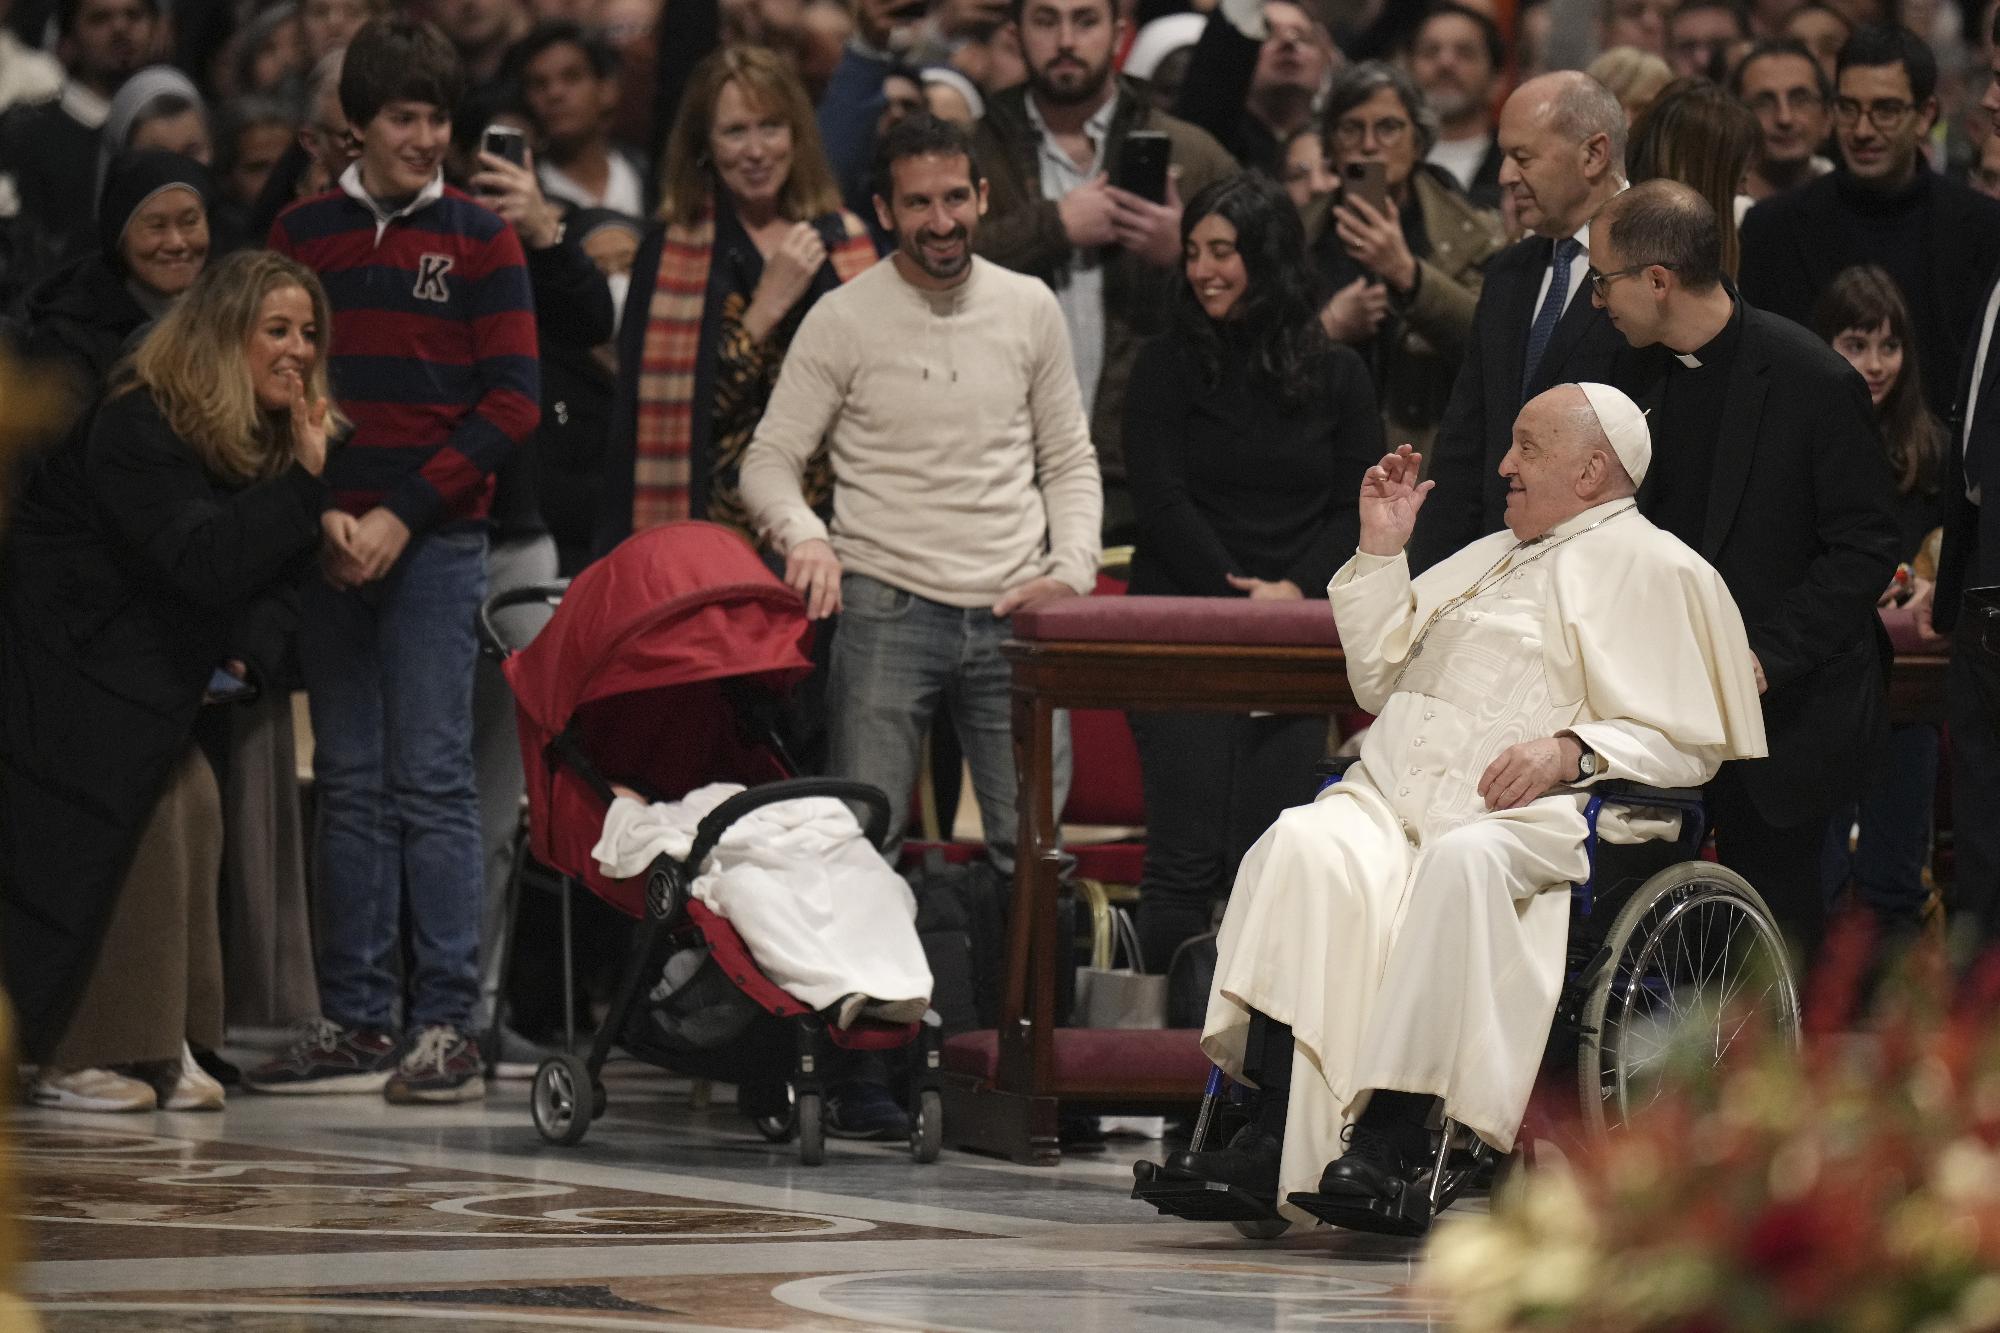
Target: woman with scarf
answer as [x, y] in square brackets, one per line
[153, 240]
[750, 234]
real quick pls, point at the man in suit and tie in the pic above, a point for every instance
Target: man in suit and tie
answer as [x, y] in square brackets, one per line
[1768, 461]
[1971, 559]
[1562, 138]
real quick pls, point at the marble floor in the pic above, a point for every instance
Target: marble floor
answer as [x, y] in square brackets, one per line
[331, 1215]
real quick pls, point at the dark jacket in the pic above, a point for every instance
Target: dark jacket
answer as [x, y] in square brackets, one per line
[1801, 527]
[1478, 424]
[1417, 350]
[1023, 231]
[1970, 557]
[81, 319]
[52, 157]
[1938, 239]
[130, 574]
[1214, 91]
[1234, 480]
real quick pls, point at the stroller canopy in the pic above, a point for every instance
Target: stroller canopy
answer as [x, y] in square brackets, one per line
[673, 605]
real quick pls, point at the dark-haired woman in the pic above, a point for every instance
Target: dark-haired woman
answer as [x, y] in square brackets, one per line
[1863, 315]
[1250, 430]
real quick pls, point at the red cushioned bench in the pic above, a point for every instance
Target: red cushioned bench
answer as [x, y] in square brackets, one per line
[1188, 654]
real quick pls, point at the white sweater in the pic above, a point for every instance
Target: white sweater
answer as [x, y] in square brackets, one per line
[961, 455]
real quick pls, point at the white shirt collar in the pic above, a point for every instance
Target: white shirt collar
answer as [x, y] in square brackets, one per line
[350, 184]
[85, 107]
[1096, 127]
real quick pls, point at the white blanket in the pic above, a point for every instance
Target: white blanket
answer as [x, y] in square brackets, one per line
[820, 910]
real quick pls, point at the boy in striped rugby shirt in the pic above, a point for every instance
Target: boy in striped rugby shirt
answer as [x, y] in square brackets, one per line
[434, 360]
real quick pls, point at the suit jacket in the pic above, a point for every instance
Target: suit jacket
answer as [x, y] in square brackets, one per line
[1478, 423]
[1801, 527]
[1024, 232]
[1962, 563]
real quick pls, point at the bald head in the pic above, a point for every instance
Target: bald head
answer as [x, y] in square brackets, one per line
[1562, 137]
[1664, 222]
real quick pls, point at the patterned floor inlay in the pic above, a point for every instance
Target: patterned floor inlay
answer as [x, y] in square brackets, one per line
[112, 1193]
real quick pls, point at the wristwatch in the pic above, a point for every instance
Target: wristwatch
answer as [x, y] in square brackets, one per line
[1586, 766]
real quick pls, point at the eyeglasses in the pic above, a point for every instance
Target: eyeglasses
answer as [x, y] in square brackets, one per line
[1799, 101]
[1601, 282]
[1388, 130]
[1884, 115]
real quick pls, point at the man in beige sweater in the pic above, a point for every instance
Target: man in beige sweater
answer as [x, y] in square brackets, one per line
[965, 486]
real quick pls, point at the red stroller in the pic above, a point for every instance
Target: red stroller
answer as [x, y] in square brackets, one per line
[663, 667]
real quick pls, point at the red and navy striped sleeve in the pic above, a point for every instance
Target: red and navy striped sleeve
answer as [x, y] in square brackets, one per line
[434, 355]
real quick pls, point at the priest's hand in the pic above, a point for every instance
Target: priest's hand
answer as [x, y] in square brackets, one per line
[1391, 495]
[1528, 771]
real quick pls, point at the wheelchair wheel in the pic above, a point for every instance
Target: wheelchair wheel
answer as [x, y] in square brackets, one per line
[1690, 962]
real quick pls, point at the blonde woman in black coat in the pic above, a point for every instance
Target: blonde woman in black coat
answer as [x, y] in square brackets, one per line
[148, 567]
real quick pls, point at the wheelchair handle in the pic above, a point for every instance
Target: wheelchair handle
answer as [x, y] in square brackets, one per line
[717, 821]
[490, 641]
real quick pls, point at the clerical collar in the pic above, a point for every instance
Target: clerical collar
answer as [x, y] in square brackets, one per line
[1722, 346]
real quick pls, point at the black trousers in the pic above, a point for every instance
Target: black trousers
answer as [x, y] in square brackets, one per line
[1972, 697]
[1781, 862]
[1213, 784]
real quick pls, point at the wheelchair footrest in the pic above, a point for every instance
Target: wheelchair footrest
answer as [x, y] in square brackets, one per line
[1198, 1200]
[1407, 1214]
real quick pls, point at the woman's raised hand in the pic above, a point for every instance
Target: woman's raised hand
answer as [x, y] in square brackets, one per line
[308, 428]
[788, 273]
[1391, 495]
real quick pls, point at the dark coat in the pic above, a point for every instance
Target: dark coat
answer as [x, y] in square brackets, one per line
[1971, 554]
[82, 317]
[130, 574]
[1801, 526]
[1795, 243]
[1024, 231]
[1478, 424]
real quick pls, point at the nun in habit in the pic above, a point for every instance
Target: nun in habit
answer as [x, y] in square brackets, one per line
[1401, 939]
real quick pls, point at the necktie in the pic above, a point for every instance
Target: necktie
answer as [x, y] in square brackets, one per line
[1551, 312]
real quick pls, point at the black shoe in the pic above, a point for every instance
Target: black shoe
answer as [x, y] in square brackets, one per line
[217, 1068]
[1372, 1167]
[1250, 1163]
[860, 1110]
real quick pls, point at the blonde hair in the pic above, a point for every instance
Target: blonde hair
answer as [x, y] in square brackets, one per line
[1634, 77]
[767, 82]
[193, 365]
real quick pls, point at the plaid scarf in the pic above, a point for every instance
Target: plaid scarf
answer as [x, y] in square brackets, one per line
[671, 354]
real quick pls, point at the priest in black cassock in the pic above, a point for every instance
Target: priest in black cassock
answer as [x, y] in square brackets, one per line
[1767, 460]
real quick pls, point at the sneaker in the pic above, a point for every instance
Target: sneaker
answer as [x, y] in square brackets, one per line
[194, 1089]
[325, 1057]
[865, 1111]
[441, 1065]
[93, 1090]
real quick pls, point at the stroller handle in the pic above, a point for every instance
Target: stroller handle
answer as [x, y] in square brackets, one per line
[718, 820]
[491, 642]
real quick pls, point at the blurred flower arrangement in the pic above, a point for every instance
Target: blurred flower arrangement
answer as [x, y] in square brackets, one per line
[1852, 1186]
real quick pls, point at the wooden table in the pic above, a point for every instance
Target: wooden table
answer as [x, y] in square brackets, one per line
[1004, 1088]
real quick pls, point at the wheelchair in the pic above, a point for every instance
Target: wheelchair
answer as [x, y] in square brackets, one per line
[1691, 955]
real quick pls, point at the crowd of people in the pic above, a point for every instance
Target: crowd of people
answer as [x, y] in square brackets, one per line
[362, 314]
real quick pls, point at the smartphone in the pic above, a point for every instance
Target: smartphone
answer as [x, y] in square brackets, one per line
[1142, 165]
[508, 142]
[1367, 180]
[224, 688]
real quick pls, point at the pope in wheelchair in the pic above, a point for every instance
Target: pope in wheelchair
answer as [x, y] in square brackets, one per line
[1392, 953]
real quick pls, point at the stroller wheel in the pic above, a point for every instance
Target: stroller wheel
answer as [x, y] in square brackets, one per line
[812, 1128]
[927, 1127]
[562, 1115]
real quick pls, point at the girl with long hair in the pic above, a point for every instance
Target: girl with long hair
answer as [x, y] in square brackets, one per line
[1863, 315]
[750, 234]
[150, 568]
[1250, 429]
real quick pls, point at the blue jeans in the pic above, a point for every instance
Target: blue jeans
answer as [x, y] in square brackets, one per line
[897, 658]
[1894, 812]
[388, 672]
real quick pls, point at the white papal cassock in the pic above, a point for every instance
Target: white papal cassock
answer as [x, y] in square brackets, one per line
[1412, 938]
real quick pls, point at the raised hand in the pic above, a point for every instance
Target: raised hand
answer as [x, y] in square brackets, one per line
[1391, 495]
[308, 429]
[788, 274]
